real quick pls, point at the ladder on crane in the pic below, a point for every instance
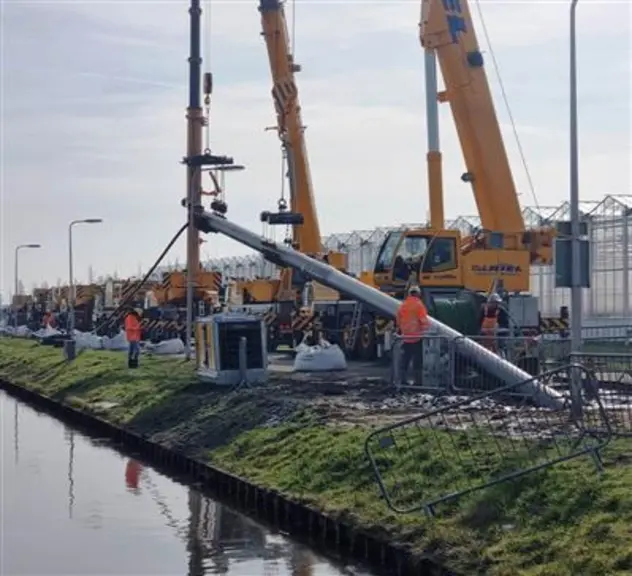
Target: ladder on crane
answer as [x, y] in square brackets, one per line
[355, 325]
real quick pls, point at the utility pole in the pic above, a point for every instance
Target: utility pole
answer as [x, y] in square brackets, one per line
[576, 289]
[195, 123]
[196, 159]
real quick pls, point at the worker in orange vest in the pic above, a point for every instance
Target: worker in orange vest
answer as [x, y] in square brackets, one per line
[489, 322]
[412, 322]
[133, 332]
[49, 320]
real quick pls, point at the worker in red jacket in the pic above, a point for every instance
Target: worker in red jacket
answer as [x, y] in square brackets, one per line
[412, 323]
[133, 333]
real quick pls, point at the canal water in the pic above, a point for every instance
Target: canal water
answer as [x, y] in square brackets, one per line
[72, 505]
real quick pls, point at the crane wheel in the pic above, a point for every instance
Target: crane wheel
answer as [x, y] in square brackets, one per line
[367, 342]
[345, 336]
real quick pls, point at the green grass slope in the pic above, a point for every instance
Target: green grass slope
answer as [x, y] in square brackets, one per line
[565, 521]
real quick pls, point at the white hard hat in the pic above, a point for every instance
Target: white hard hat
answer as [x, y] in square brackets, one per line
[414, 290]
[495, 298]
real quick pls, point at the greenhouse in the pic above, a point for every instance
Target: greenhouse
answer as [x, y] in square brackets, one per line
[609, 224]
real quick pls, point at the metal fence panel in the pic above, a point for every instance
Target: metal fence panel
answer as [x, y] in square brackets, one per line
[612, 377]
[477, 442]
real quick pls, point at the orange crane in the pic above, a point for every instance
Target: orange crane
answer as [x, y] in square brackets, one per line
[281, 300]
[302, 215]
[503, 250]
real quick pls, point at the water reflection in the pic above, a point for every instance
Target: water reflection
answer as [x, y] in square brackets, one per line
[70, 438]
[16, 432]
[175, 529]
[216, 536]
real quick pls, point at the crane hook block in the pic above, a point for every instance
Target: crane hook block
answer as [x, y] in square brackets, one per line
[208, 83]
[282, 218]
[208, 159]
[219, 206]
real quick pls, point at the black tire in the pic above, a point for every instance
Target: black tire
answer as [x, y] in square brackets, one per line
[366, 342]
[272, 343]
[343, 337]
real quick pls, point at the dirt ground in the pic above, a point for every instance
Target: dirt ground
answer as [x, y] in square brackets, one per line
[201, 417]
[361, 395]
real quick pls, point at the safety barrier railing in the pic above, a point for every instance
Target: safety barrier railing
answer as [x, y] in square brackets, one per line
[436, 356]
[481, 441]
[612, 380]
[445, 371]
[607, 334]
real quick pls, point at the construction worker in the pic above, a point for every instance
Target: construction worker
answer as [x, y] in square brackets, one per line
[490, 322]
[133, 334]
[49, 320]
[412, 322]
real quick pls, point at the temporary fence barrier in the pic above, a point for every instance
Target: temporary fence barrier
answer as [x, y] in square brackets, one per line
[481, 441]
[445, 371]
[612, 379]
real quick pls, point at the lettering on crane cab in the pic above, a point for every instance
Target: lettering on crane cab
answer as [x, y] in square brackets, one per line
[456, 21]
[509, 269]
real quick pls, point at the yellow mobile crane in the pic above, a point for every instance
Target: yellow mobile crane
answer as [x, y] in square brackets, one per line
[451, 270]
[503, 250]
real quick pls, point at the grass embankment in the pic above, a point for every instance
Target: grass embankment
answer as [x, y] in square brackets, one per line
[565, 521]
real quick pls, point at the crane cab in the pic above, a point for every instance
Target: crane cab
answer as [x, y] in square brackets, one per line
[428, 256]
[438, 262]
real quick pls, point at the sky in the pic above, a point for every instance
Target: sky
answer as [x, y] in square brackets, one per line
[93, 118]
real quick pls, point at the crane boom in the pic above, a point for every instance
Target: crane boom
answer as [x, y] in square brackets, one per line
[290, 127]
[378, 301]
[447, 28]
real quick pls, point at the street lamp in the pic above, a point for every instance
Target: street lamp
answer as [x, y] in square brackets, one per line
[17, 279]
[576, 291]
[71, 288]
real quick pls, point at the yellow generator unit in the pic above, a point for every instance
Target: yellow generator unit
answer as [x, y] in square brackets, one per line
[231, 349]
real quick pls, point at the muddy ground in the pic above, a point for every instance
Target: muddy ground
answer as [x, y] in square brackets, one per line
[200, 418]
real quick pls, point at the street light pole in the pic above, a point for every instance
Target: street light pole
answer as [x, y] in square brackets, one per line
[71, 285]
[16, 273]
[576, 291]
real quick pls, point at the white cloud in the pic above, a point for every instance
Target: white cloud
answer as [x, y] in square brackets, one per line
[365, 136]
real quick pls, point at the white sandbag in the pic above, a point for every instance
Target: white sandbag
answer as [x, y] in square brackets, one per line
[88, 340]
[118, 342]
[166, 347]
[23, 332]
[322, 358]
[302, 347]
[46, 332]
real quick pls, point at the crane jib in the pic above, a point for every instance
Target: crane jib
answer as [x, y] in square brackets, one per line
[456, 20]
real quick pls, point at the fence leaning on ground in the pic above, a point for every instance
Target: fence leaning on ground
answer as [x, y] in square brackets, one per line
[611, 375]
[478, 442]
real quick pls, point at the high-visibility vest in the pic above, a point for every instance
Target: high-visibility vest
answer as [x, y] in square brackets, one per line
[490, 320]
[412, 319]
[132, 328]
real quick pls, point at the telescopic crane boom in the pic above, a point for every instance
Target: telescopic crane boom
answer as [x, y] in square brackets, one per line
[287, 309]
[302, 216]
[502, 252]
[447, 30]
[306, 236]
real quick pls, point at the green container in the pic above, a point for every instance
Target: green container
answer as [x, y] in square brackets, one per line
[462, 312]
